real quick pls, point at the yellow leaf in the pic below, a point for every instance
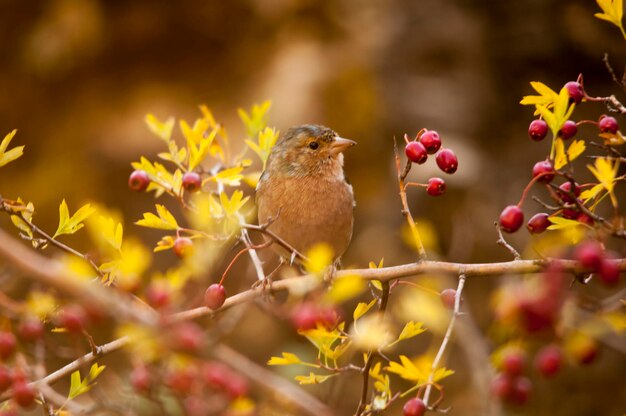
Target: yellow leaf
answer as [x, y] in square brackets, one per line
[11, 155]
[319, 257]
[344, 288]
[287, 359]
[41, 304]
[407, 370]
[165, 243]
[234, 204]
[162, 130]
[573, 151]
[69, 225]
[410, 330]
[559, 223]
[612, 11]
[546, 96]
[165, 220]
[362, 308]
[313, 378]
[605, 170]
[257, 119]
[144, 342]
[267, 140]
[229, 177]
[371, 332]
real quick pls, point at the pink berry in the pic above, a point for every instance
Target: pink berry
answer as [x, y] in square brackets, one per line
[414, 407]
[73, 318]
[548, 360]
[608, 124]
[565, 192]
[522, 388]
[7, 344]
[501, 386]
[30, 330]
[513, 361]
[545, 169]
[436, 187]
[448, 298]
[447, 161]
[180, 380]
[183, 247]
[187, 336]
[138, 180]
[192, 181]
[511, 218]
[141, 379]
[538, 130]
[584, 218]
[431, 141]
[609, 272]
[538, 223]
[575, 91]
[416, 152]
[6, 378]
[590, 255]
[158, 296]
[23, 394]
[568, 130]
[215, 374]
[215, 296]
[305, 316]
[236, 386]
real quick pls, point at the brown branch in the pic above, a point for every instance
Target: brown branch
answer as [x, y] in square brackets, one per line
[278, 240]
[502, 242]
[406, 212]
[53, 273]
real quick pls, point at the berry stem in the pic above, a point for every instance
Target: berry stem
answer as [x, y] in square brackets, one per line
[242, 251]
[530, 184]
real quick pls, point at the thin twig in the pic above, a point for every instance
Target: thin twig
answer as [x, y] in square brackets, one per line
[406, 212]
[502, 242]
[258, 265]
[263, 229]
[446, 338]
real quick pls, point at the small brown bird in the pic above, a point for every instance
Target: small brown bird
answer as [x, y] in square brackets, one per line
[304, 191]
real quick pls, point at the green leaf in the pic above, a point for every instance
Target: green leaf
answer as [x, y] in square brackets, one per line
[165, 220]
[78, 386]
[11, 155]
[69, 225]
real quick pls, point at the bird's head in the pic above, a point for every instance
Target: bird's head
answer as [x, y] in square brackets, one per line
[309, 150]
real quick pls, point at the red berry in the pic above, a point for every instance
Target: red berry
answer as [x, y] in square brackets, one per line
[191, 181]
[180, 380]
[511, 218]
[73, 318]
[609, 272]
[522, 388]
[548, 360]
[448, 297]
[216, 374]
[536, 314]
[513, 361]
[138, 180]
[545, 169]
[6, 378]
[584, 218]
[608, 124]
[23, 394]
[187, 336]
[236, 386]
[431, 141]
[215, 296]
[565, 192]
[538, 223]
[158, 296]
[537, 130]
[568, 130]
[416, 152]
[585, 351]
[328, 316]
[30, 330]
[414, 407]
[501, 386]
[141, 379]
[7, 344]
[183, 247]
[590, 255]
[447, 161]
[305, 316]
[575, 91]
[436, 187]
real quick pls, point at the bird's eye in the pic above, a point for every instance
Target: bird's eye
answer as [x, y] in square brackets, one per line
[314, 145]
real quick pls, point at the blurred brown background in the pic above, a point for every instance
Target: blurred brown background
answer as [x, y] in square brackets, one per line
[78, 76]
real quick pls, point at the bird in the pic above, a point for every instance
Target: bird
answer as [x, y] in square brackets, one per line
[303, 193]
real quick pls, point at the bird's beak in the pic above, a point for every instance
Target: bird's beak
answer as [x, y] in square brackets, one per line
[339, 144]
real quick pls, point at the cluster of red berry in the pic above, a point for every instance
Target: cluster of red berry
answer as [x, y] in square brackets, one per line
[427, 143]
[191, 382]
[23, 395]
[566, 194]
[139, 181]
